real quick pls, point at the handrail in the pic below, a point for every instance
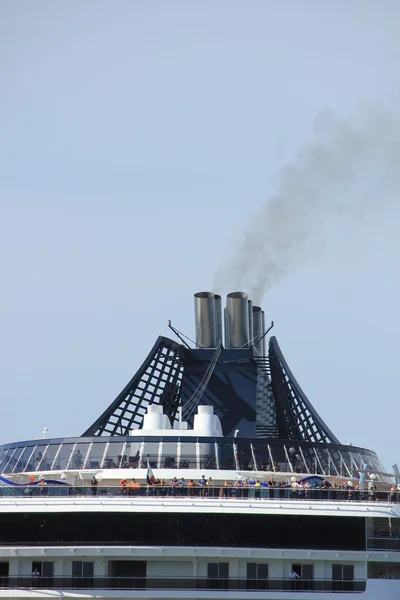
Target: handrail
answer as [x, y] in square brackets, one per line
[184, 583]
[238, 491]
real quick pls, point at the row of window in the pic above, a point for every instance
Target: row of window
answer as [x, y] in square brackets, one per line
[183, 454]
[184, 529]
[340, 572]
[215, 570]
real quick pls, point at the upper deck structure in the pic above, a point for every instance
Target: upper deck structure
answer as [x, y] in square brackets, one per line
[230, 403]
[279, 508]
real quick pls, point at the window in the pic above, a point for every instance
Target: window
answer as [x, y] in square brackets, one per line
[82, 572]
[218, 575]
[45, 568]
[181, 529]
[82, 569]
[342, 577]
[306, 575]
[305, 571]
[4, 567]
[257, 575]
[129, 574]
[42, 571]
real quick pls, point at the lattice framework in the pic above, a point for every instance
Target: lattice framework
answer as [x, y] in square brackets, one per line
[156, 382]
[296, 417]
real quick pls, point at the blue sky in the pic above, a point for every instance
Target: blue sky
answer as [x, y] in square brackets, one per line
[138, 139]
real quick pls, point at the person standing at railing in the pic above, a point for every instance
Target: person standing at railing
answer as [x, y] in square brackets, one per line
[393, 493]
[294, 575]
[42, 486]
[163, 488]
[271, 486]
[294, 578]
[94, 483]
[174, 486]
[295, 488]
[301, 492]
[183, 486]
[372, 493]
[226, 492]
[191, 487]
[35, 577]
[133, 487]
[325, 490]
[357, 492]
[237, 489]
[257, 489]
[202, 484]
[155, 488]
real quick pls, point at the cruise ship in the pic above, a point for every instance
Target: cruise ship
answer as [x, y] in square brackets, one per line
[210, 476]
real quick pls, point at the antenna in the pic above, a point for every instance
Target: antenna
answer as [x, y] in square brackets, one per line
[44, 432]
[180, 335]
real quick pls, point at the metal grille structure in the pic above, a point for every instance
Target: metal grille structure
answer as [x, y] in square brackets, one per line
[296, 417]
[156, 382]
[171, 375]
[258, 396]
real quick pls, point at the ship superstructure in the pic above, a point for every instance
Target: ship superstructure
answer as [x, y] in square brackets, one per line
[211, 475]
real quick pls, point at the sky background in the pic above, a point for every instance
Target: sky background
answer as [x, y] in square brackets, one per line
[137, 141]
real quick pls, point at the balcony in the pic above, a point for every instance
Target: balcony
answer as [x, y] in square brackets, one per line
[180, 583]
[240, 491]
[383, 543]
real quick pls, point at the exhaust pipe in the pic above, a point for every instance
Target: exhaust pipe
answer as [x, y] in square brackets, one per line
[204, 311]
[263, 341]
[237, 321]
[218, 319]
[251, 334]
[258, 328]
[226, 325]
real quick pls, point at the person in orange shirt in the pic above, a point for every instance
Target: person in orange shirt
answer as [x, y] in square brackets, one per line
[133, 487]
[191, 487]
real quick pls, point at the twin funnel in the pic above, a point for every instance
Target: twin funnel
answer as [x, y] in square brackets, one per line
[244, 323]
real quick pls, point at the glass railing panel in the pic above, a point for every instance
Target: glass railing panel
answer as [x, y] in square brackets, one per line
[149, 452]
[239, 489]
[21, 459]
[206, 454]
[220, 584]
[37, 458]
[116, 455]
[188, 455]
[13, 459]
[226, 456]
[6, 459]
[64, 457]
[3, 454]
[380, 543]
[167, 457]
[78, 456]
[50, 460]
[95, 456]
[263, 456]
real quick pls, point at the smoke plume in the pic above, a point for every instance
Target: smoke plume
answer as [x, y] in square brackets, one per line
[347, 169]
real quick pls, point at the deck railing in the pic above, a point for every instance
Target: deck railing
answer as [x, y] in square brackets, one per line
[383, 543]
[184, 583]
[249, 492]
